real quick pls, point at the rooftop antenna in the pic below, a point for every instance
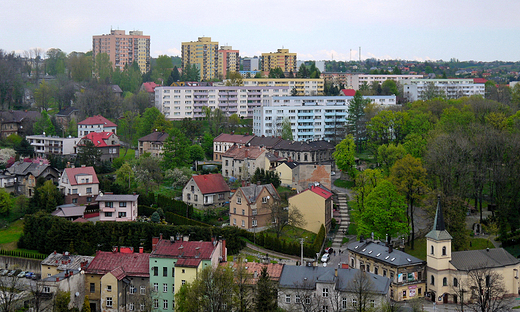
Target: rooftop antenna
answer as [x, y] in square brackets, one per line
[351, 55]
[360, 54]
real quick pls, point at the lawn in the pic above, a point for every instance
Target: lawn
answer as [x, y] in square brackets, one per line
[129, 155]
[344, 183]
[9, 236]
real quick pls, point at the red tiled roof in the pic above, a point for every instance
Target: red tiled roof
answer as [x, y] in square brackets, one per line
[133, 264]
[188, 263]
[211, 183]
[320, 191]
[479, 80]
[349, 92]
[73, 172]
[118, 273]
[81, 220]
[97, 120]
[273, 269]
[181, 249]
[150, 86]
[99, 138]
[233, 138]
[251, 152]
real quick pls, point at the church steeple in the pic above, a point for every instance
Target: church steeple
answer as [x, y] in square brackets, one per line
[439, 228]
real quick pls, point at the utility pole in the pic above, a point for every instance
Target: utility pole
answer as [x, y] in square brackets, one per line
[301, 243]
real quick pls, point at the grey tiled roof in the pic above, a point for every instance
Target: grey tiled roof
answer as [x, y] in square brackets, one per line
[380, 252]
[307, 277]
[304, 146]
[491, 258]
[114, 197]
[251, 192]
[69, 210]
[291, 164]
[65, 262]
[23, 168]
[267, 142]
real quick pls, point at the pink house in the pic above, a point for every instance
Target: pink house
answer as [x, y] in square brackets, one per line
[117, 207]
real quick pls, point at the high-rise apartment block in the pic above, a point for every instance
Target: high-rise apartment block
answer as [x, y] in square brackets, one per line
[124, 49]
[282, 58]
[228, 61]
[251, 63]
[204, 55]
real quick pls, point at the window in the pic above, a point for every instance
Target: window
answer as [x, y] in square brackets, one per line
[109, 204]
[354, 302]
[109, 287]
[445, 282]
[455, 282]
[372, 303]
[89, 190]
[404, 293]
[264, 200]
[431, 250]
[74, 191]
[183, 282]
[297, 299]
[325, 292]
[419, 291]
[46, 290]
[75, 200]
[133, 290]
[131, 307]
[234, 221]
[164, 287]
[108, 214]
[92, 287]
[183, 271]
[325, 309]
[189, 196]
[243, 223]
[155, 287]
[419, 276]
[155, 271]
[243, 212]
[109, 302]
[173, 272]
[287, 298]
[195, 197]
[376, 270]
[344, 303]
[432, 280]
[444, 250]
[255, 223]
[165, 271]
[307, 300]
[234, 210]
[141, 307]
[122, 204]
[239, 200]
[384, 273]
[142, 290]
[173, 288]
[89, 199]
[254, 212]
[121, 214]
[156, 303]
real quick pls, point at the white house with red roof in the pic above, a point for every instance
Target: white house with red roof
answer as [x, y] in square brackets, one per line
[206, 190]
[315, 204]
[119, 280]
[96, 123]
[107, 142]
[80, 185]
[225, 141]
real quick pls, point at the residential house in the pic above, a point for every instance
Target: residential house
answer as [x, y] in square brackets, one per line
[80, 185]
[45, 145]
[407, 273]
[314, 288]
[70, 281]
[69, 211]
[66, 115]
[250, 206]
[264, 141]
[26, 174]
[149, 87]
[17, 122]
[106, 142]
[306, 152]
[60, 262]
[96, 123]
[119, 281]
[117, 207]
[300, 175]
[176, 261]
[152, 143]
[453, 273]
[207, 190]
[7, 182]
[315, 205]
[242, 162]
[254, 269]
[225, 141]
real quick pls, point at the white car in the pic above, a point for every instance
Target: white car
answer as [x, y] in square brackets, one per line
[325, 258]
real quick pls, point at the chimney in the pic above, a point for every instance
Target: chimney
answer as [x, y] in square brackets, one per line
[245, 155]
[54, 251]
[186, 238]
[160, 236]
[243, 183]
[41, 162]
[114, 249]
[141, 250]
[336, 272]
[155, 240]
[224, 250]
[390, 249]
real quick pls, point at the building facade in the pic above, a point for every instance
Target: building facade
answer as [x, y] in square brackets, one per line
[355, 81]
[301, 86]
[52, 145]
[80, 185]
[242, 162]
[177, 103]
[152, 144]
[250, 206]
[281, 58]
[225, 141]
[202, 53]
[124, 49]
[311, 117]
[251, 63]
[417, 89]
[107, 143]
[207, 190]
[228, 61]
[96, 123]
[117, 207]
[315, 205]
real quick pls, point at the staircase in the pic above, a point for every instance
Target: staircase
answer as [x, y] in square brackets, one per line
[341, 202]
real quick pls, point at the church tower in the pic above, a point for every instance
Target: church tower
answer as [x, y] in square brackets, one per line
[438, 244]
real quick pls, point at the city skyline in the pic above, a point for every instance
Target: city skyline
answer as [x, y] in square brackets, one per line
[407, 30]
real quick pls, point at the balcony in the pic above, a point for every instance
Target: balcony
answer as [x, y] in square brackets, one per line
[302, 114]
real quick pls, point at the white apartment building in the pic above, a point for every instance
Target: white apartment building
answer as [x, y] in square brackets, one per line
[47, 145]
[453, 88]
[312, 117]
[177, 103]
[355, 81]
[303, 86]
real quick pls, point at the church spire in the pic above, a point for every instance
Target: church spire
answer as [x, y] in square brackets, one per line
[438, 224]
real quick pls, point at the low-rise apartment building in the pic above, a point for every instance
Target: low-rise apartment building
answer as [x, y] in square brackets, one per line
[177, 103]
[418, 89]
[242, 162]
[117, 207]
[355, 81]
[302, 86]
[153, 144]
[106, 142]
[52, 145]
[225, 141]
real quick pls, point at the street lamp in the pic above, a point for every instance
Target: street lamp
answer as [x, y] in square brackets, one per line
[254, 230]
[301, 243]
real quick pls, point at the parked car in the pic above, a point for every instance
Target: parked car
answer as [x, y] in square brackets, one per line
[332, 173]
[329, 250]
[12, 272]
[29, 275]
[4, 272]
[21, 274]
[36, 277]
[325, 258]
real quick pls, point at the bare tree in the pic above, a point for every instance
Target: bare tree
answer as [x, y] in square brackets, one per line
[282, 216]
[306, 298]
[362, 291]
[481, 290]
[243, 289]
[41, 296]
[10, 293]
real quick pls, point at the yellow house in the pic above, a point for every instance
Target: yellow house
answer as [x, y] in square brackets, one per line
[454, 276]
[315, 204]
[285, 172]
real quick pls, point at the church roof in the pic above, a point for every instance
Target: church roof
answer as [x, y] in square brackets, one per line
[483, 258]
[439, 228]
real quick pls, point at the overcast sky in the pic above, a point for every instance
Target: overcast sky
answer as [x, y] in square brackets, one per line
[317, 30]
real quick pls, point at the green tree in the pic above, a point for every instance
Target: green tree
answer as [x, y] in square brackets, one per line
[128, 127]
[276, 73]
[43, 95]
[266, 293]
[88, 154]
[286, 129]
[355, 123]
[366, 181]
[49, 196]
[387, 155]
[155, 218]
[55, 62]
[385, 212]
[103, 67]
[207, 145]
[163, 66]
[196, 153]
[234, 79]
[61, 301]
[282, 216]
[5, 203]
[431, 91]
[86, 305]
[44, 124]
[176, 150]
[344, 156]
[125, 175]
[79, 66]
[148, 172]
[174, 76]
[389, 87]
[409, 177]
[147, 121]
